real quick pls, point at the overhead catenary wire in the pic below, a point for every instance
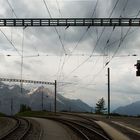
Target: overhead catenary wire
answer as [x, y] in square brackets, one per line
[94, 10]
[11, 8]
[107, 43]
[59, 8]
[10, 42]
[51, 55]
[80, 39]
[121, 40]
[97, 41]
[113, 43]
[61, 62]
[120, 43]
[22, 54]
[114, 8]
[124, 8]
[82, 36]
[13, 11]
[95, 44]
[59, 37]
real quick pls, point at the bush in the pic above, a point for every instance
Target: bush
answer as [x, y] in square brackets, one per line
[24, 108]
[115, 114]
[2, 115]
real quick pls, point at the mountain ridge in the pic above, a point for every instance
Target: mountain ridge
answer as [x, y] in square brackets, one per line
[33, 98]
[130, 109]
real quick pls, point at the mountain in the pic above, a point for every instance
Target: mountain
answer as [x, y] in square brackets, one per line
[63, 104]
[11, 98]
[4, 88]
[131, 109]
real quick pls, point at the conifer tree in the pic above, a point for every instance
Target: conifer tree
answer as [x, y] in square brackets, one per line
[100, 106]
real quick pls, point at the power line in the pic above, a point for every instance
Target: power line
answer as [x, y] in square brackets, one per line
[81, 38]
[89, 56]
[50, 55]
[11, 8]
[56, 32]
[13, 12]
[22, 51]
[116, 41]
[10, 42]
[47, 8]
[59, 8]
[125, 5]
[102, 33]
[107, 43]
[59, 67]
[95, 44]
[83, 35]
[121, 41]
[94, 10]
[97, 40]
[55, 27]
[114, 8]
[5, 34]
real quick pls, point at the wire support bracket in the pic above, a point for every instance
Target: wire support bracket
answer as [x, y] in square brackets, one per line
[26, 81]
[37, 22]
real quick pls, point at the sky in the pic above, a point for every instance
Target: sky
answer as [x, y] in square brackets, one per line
[60, 53]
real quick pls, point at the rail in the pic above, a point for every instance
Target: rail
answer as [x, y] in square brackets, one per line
[19, 131]
[84, 130]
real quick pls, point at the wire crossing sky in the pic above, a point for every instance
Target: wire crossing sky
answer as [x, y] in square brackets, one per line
[76, 56]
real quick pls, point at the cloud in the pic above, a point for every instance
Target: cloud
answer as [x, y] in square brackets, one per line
[44, 41]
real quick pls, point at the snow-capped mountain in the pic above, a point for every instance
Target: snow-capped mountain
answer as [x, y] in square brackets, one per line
[39, 98]
[44, 95]
[11, 97]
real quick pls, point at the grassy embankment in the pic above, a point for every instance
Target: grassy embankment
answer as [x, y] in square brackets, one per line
[2, 115]
[35, 114]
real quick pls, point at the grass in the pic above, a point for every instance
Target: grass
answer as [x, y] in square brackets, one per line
[2, 115]
[35, 114]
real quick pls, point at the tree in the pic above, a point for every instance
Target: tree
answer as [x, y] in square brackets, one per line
[24, 108]
[100, 106]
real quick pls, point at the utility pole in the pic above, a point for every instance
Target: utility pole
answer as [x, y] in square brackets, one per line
[42, 99]
[50, 107]
[108, 92]
[55, 86]
[138, 68]
[11, 106]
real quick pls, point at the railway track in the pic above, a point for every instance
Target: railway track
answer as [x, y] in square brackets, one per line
[19, 131]
[89, 122]
[85, 131]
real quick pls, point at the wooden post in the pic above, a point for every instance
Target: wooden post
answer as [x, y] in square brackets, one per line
[108, 92]
[55, 96]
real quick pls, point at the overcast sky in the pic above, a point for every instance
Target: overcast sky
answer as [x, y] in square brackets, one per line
[45, 58]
